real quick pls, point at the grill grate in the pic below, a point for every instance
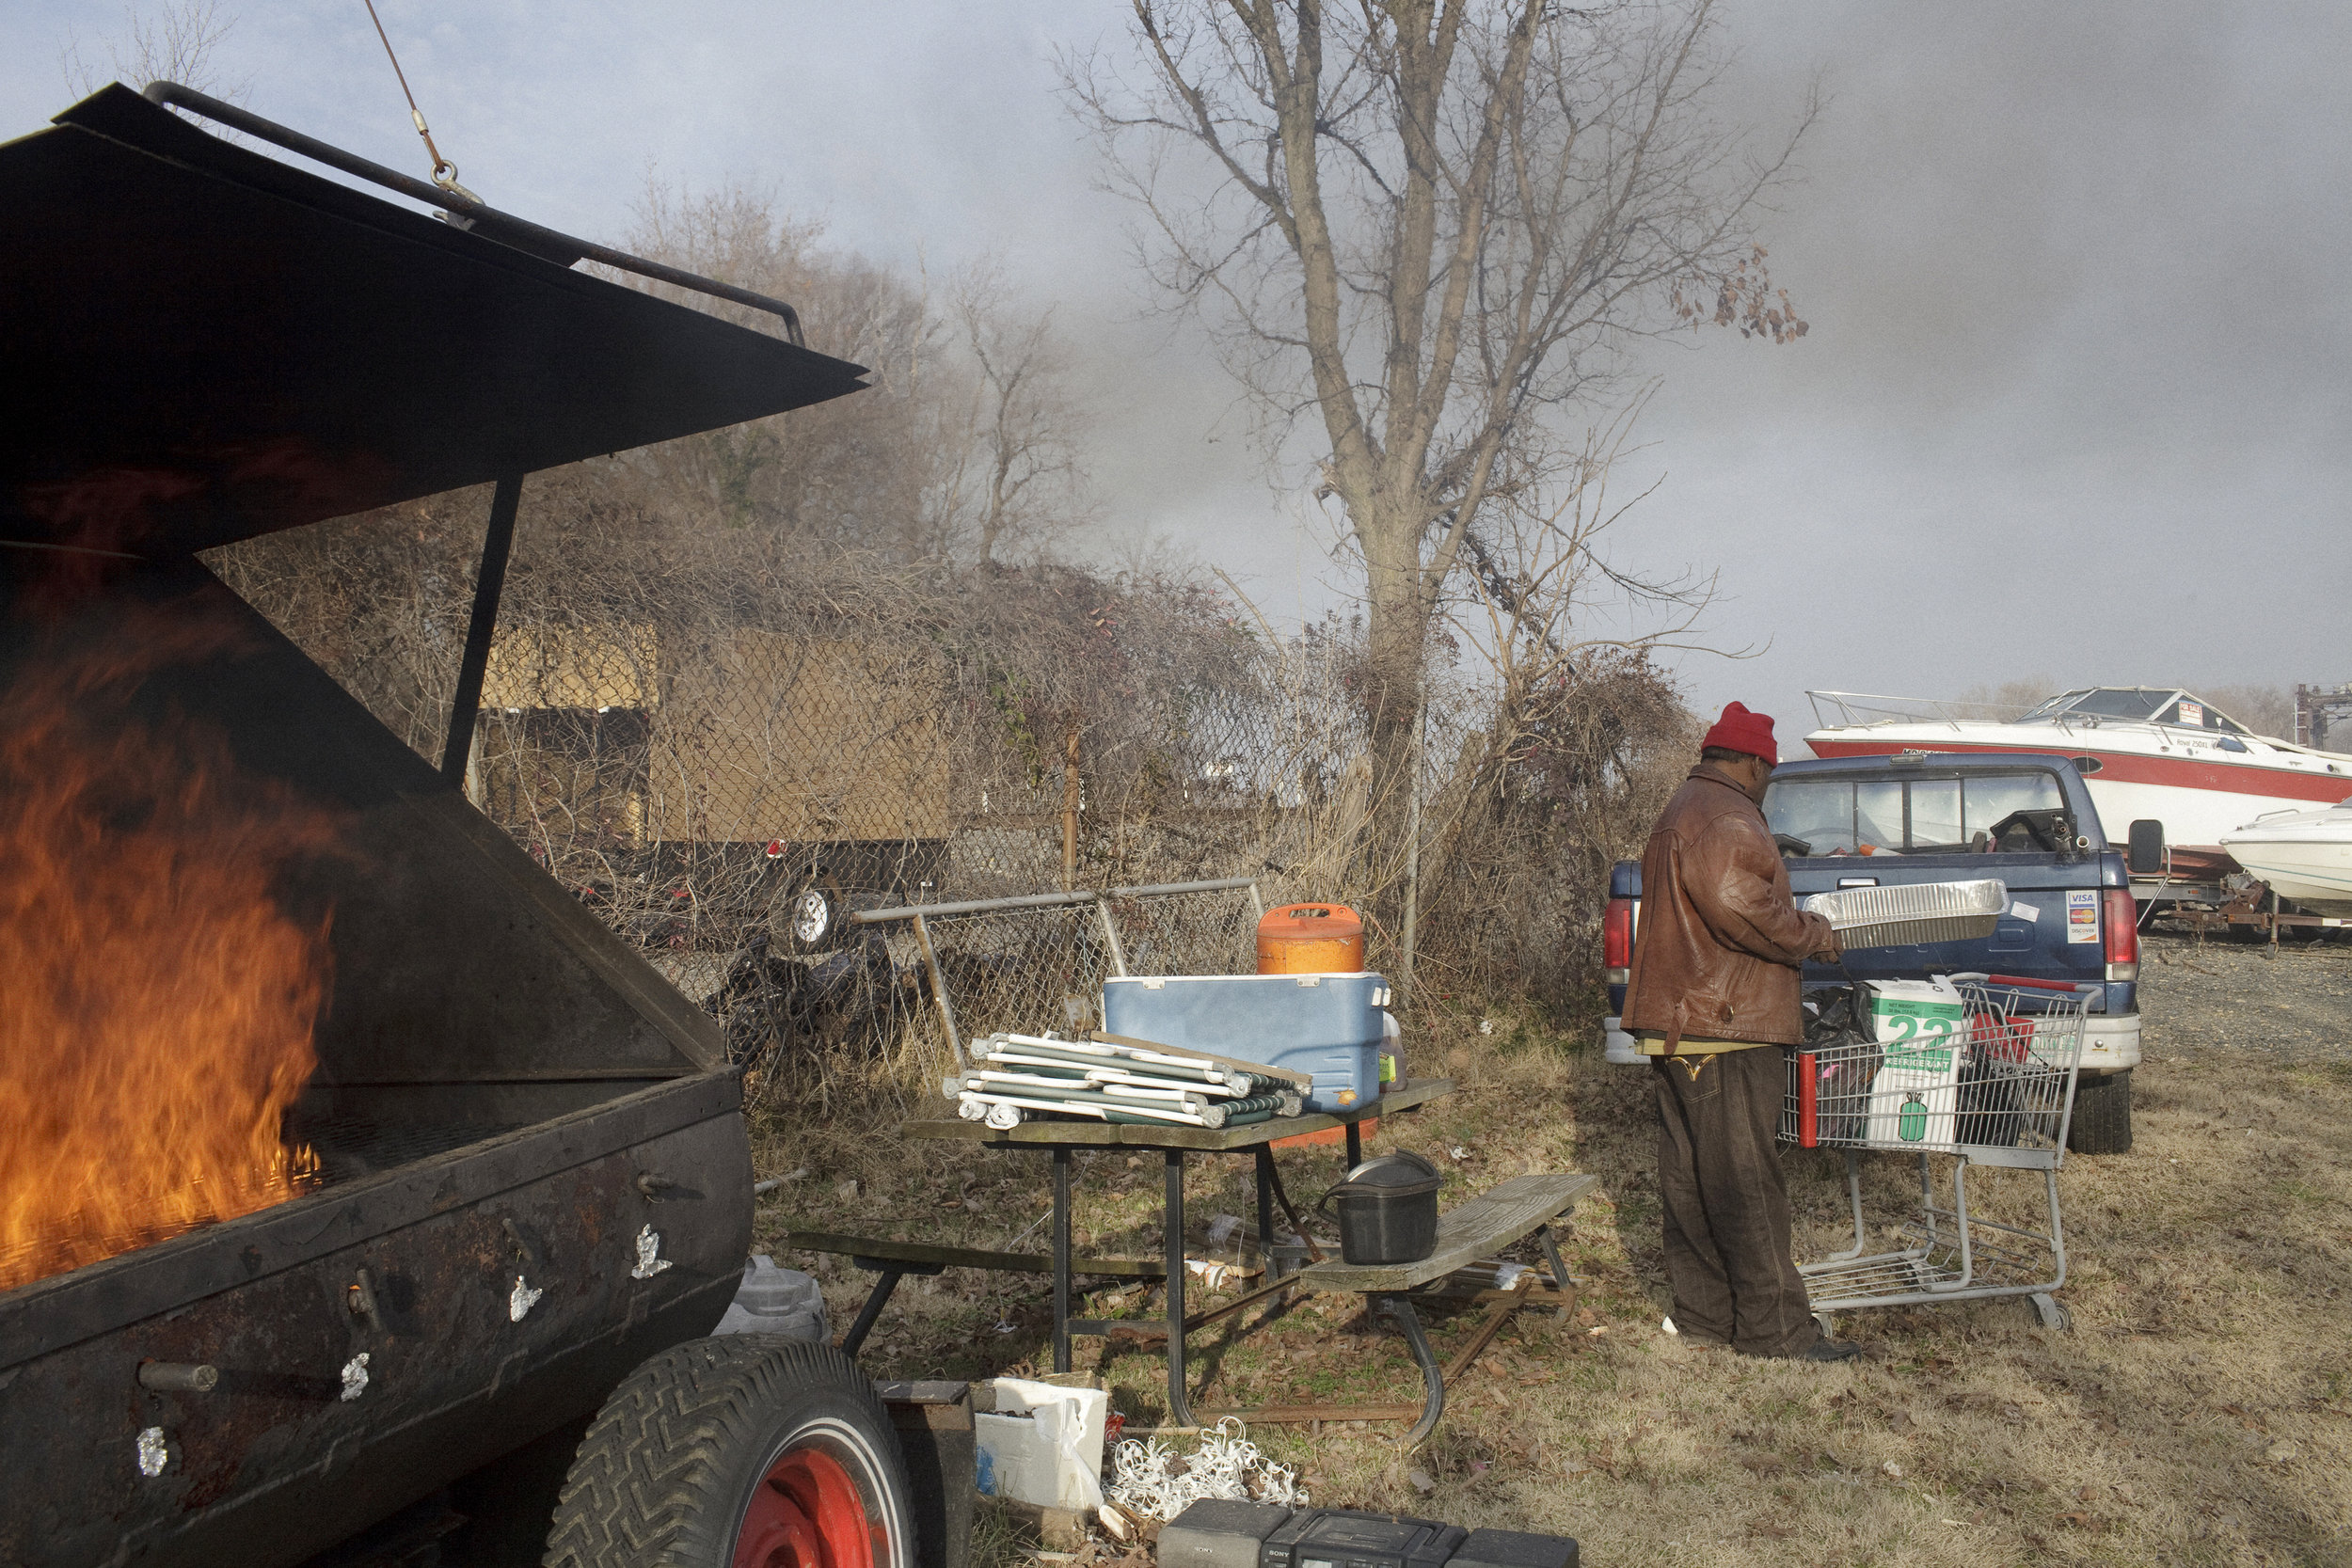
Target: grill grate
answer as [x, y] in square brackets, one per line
[349, 1148]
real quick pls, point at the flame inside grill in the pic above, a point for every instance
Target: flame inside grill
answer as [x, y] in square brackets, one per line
[160, 996]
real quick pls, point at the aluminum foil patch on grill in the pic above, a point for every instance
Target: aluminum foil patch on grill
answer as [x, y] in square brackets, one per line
[649, 1259]
[154, 1453]
[521, 1300]
[354, 1377]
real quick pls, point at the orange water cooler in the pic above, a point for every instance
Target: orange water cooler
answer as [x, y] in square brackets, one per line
[1311, 938]
[1321, 939]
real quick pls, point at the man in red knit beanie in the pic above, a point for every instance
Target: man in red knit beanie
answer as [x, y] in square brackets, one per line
[1714, 988]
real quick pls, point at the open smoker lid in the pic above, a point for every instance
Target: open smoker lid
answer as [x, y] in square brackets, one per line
[206, 344]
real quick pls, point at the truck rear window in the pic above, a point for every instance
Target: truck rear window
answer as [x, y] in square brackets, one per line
[1906, 816]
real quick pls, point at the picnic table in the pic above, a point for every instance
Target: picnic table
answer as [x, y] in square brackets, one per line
[1509, 1213]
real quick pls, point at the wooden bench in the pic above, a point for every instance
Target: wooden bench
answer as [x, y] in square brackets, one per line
[1502, 1217]
[893, 1260]
[1496, 1219]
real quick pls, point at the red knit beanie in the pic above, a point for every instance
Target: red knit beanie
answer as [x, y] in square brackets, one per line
[1739, 730]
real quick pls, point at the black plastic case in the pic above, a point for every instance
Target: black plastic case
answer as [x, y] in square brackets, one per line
[1214, 1533]
[1510, 1549]
[1337, 1538]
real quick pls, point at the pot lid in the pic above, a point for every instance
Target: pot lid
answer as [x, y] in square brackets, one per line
[1404, 1171]
[206, 344]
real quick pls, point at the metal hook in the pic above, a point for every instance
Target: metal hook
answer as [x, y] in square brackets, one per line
[360, 1297]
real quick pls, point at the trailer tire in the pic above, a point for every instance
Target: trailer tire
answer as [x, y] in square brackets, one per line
[2102, 1114]
[807, 918]
[747, 1449]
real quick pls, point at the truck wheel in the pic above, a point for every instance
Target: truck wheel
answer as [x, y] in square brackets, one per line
[748, 1449]
[2102, 1114]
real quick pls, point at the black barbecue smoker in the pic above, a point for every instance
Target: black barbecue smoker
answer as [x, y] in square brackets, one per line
[527, 1182]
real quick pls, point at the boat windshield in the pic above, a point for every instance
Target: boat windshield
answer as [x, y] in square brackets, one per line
[2194, 713]
[2055, 705]
[2145, 704]
[2124, 702]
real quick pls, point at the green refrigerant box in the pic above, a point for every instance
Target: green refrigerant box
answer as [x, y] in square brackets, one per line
[1922, 1026]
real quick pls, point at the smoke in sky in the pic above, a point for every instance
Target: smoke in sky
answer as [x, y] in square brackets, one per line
[2072, 400]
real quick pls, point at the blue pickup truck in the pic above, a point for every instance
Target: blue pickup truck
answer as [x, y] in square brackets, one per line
[1941, 816]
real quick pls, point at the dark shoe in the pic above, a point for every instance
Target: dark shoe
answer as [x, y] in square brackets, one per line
[1827, 1349]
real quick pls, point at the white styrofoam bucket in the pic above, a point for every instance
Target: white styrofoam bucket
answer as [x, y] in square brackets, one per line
[1042, 1444]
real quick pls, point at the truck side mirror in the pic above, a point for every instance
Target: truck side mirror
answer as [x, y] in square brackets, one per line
[2145, 857]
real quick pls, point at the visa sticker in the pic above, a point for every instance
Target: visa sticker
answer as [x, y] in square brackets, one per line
[2082, 914]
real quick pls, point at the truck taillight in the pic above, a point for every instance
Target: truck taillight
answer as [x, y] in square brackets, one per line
[2123, 935]
[1616, 940]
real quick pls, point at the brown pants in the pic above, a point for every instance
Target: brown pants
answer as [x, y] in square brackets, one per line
[1728, 1219]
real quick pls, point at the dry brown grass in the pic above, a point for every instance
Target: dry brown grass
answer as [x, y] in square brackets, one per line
[2199, 1412]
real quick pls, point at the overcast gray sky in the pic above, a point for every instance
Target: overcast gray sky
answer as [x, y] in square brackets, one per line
[2074, 400]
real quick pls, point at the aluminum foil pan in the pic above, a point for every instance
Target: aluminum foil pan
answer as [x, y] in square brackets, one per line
[1921, 913]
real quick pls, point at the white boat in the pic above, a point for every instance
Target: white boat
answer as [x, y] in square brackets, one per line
[2146, 752]
[2305, 856]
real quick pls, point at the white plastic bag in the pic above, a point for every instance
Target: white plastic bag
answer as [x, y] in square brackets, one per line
[1042, 1444]
[776, 1301]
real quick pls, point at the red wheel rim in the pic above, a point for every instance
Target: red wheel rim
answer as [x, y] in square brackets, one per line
[806, 1512]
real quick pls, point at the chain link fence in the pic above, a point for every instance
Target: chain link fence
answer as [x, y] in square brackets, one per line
[737, 754]
[911, 987]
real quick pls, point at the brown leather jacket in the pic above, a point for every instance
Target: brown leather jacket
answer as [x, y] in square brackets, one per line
[1720, 942]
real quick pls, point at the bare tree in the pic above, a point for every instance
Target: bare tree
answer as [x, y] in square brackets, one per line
[1016, 475]
[850, 473]
[967, 446]
[1435, 226]
[176, 42]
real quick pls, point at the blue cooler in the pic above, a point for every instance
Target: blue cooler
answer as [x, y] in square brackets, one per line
[1331, 1025]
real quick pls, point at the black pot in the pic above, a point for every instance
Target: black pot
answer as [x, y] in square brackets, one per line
[1388, 1210]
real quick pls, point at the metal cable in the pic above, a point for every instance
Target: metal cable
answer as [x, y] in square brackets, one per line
[444, 172]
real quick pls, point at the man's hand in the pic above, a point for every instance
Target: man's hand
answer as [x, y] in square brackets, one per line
[1831, 949]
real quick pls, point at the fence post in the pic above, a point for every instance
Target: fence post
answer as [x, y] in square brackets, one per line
[477, 779]
[939, 991]
[1070, 810]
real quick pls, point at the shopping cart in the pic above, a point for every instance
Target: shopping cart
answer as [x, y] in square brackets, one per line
[1994, 1087]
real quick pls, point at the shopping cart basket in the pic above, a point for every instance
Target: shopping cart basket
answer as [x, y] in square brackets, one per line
[1994, 1087]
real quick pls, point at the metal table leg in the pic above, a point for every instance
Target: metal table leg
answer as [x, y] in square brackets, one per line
[1172, 1223]
[1061, 1259]
[891, 1271]
[1266, 1209]
[1432, 1375]
[1355, 1145]
[1551, 1261]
